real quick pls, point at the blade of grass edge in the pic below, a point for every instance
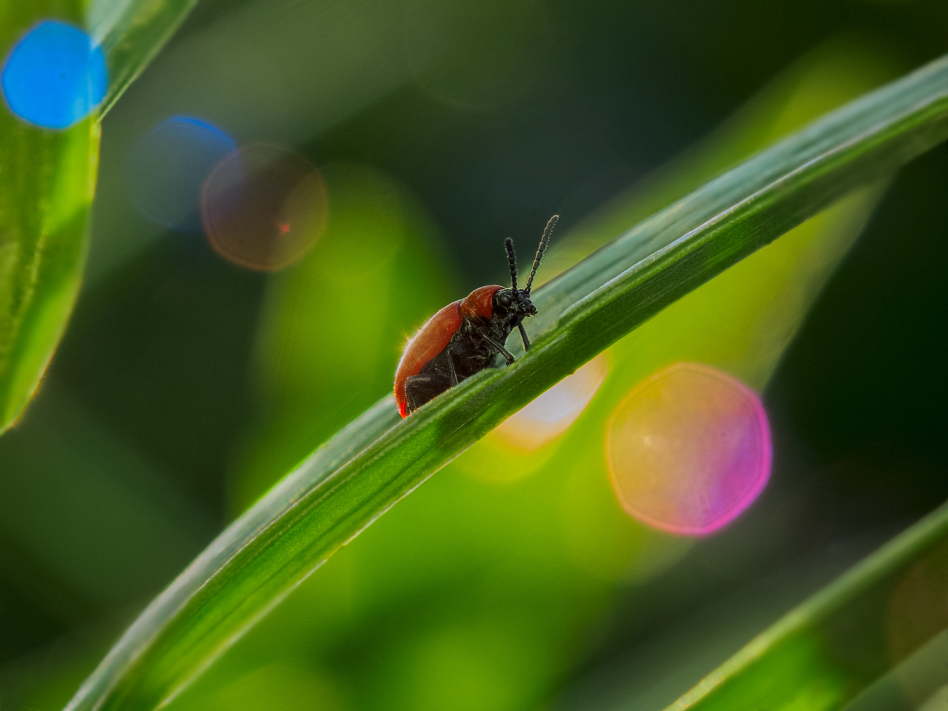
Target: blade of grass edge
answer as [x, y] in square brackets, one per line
[861, 592]
[378, 459]
[131, 34]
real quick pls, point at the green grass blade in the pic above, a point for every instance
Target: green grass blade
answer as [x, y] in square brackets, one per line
[47, 181]
[379, 459]
[887, 612]
[131, 33]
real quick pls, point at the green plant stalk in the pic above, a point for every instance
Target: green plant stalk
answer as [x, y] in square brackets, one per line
[834, 645]
[378, 459]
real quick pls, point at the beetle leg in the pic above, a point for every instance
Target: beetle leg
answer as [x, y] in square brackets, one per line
[451, 372]
[523, 335]
[503, 351]
[410, 394]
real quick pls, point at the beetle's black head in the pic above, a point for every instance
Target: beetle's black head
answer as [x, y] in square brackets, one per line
[513, 301]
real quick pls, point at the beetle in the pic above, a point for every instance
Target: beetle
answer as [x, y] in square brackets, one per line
[465, 336]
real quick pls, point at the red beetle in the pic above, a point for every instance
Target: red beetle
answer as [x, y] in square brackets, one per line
[464, 337]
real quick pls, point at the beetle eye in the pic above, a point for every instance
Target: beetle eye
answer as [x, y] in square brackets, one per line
[504, 300]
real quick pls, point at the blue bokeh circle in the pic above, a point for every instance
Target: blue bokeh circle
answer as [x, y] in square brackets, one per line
[167, 166]
[54, 76]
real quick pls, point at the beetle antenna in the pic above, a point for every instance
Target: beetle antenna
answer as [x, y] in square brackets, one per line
[512, 262]
[544, 241]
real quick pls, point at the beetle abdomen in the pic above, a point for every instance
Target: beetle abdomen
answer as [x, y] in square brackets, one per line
[430, 340]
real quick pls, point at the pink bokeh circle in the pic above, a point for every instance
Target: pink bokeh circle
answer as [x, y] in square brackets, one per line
[689, 449]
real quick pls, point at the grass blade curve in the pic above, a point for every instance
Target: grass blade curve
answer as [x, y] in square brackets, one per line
[850, 641]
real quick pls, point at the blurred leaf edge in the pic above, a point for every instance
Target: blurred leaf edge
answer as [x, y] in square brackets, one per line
[887, 564]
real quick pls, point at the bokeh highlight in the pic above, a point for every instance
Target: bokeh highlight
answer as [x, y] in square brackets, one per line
[264, 207]
[551, 414]
[167, 166]
[55, 76]
[688, 449]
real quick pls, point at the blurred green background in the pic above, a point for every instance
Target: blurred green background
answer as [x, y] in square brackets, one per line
[187, 385]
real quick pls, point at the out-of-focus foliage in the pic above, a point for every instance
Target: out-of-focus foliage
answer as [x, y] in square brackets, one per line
[876, 637]
[372, 463]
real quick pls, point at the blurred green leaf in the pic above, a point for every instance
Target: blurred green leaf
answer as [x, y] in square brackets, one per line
[379, 459]
[838, 646]
[46, 184]
[131, 33]
[47, 181]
